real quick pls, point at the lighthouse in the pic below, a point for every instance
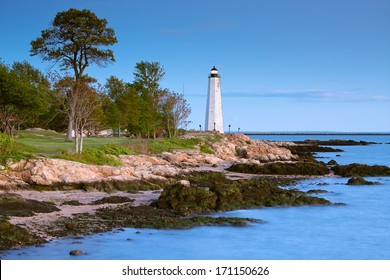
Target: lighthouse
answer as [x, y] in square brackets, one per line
[214, 119]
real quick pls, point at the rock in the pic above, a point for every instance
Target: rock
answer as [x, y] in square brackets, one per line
[359, 181]
[184, 183]
[77, 252]
[332, 162]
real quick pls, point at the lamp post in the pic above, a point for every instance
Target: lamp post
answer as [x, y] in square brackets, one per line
[200, 127]
[229, 128]
[238, 130]
[214, 126]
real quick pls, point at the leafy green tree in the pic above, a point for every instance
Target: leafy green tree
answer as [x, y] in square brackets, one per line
[129, 106]
[23, 96]
[76, 40]
[147, 78]
[175, 111]
[123, 107]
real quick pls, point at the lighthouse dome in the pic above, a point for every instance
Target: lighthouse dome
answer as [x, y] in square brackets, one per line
[214, 72]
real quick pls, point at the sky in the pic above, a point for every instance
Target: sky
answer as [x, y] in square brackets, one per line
[302, 65]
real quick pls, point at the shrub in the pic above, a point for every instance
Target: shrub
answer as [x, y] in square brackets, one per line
[91, 156]
[113, 149]
[7, 144]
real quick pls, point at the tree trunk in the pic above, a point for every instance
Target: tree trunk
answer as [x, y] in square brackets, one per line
[81, 140]
[76, 142]
[68, 136]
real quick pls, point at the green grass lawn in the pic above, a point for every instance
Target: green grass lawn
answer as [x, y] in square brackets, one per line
[96, 150]
[50, 143]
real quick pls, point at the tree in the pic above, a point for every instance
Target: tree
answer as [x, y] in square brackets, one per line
[86, 105]
[87, 112]
[147, 78]
[23, 95]
[175, 111]
[122, 108]
[76, 40]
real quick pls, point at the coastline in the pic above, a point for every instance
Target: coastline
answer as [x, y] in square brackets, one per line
[128, 181]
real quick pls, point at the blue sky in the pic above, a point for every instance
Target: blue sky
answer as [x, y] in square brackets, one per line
[303, 65]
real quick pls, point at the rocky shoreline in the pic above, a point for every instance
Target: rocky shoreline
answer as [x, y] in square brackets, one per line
[160, 191]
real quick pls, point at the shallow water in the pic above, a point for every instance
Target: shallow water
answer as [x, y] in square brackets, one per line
[358, 230]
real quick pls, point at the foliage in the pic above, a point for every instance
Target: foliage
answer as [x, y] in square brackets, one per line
[23, 96]
[92, 156]
[10, 149]
[7, 144]
[356, 169]
[147, 78]
[116, 150]
[76, 40]
[175, 111]
[166, 145]
[122, 105]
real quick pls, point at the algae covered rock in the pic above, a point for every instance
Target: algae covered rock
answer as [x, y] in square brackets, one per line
[282, 168]
[360, 181]
[211, 192]
[12, 236]
[362, 170]
[16, 205]
[77, 252]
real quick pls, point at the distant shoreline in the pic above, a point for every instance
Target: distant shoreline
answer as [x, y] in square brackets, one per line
[321, 133]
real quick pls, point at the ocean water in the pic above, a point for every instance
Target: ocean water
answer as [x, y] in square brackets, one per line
[359, 230]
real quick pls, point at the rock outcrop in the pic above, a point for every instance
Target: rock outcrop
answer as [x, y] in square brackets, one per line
[59, 172]
[241, 146]
[54, 172]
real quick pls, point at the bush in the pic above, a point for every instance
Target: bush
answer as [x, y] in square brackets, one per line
[92, 156]
[116, 150]
[7, 144]
[166, 145]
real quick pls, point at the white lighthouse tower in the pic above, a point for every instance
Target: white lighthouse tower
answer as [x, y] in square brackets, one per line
[214, 119]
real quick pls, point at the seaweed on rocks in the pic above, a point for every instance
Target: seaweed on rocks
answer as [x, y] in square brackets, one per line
[359, 181]
[281, 168]
[307, 151]
[143, 216]
[214, 192]
[363, 170]
[112, 200]
[16, 205]
[335, 142]
[13, 236]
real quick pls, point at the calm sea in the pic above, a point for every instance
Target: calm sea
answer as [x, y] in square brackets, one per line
[358, 230]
